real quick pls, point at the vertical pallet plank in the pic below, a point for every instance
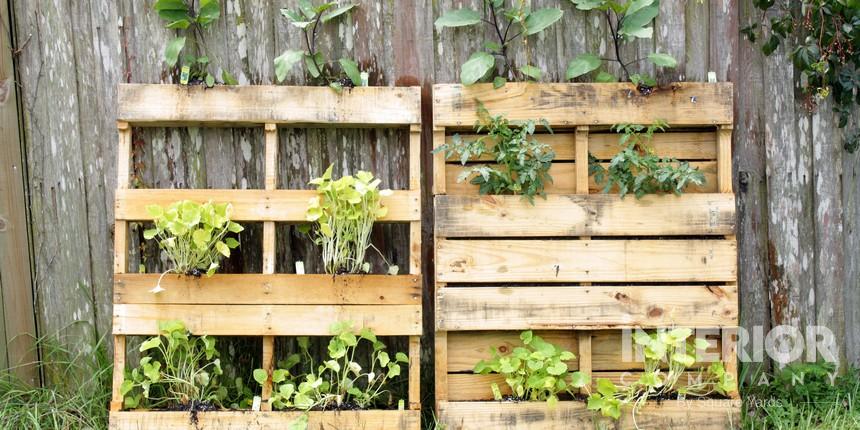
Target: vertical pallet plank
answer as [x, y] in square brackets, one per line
[724, 159]
[438, 161]
[120, 264]
[582, 160]
[271, 183]
[415, 185]
[730, 355]
[441, 367]
[585, 355]
[415, 373]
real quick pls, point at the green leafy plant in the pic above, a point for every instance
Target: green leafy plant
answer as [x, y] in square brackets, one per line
[636, 169]
[193, 236]
[522, 163]
[339, 381]
[343, 213]
[309, 18]
[627, 21]
[827, 53]
[670, 349]
[508, 24]
[177, 370]
[536, 371]
[191, 23]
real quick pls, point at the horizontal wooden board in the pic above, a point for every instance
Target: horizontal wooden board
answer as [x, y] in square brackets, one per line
[585, 215]
[573, 415]
[699, 146]
[279, 289]
[465, 349]
[473, 261]
[254, 205]
[585, 307]
[241, 420]
[475, 387]
[568, 105]
[564, 180]
[159, 105]
[267, 320]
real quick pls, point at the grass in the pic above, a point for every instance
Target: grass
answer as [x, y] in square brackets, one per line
[75, 397]
[803, 397]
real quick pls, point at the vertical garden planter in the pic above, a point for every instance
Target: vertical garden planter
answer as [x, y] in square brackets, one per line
[266, 304]
[581, 265]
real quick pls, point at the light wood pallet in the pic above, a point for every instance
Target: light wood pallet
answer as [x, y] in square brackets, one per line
[581, 265]
[266, 304]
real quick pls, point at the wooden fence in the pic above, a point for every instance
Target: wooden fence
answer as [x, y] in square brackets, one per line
[798, 192]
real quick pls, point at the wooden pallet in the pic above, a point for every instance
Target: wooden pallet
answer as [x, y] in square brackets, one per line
[581, 265]
[267, 304]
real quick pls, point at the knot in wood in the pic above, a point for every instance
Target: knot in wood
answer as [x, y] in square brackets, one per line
[3, 224]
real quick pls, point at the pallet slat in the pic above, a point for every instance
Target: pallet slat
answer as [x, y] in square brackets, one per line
[564, 180]
[228, 106]
[267, 320]
[585, 215]
[670, 414]
[585, 307]
[568, 105]
[239, 420]
[255, 205]
[279, 289]
[474, 261]
[693, 146]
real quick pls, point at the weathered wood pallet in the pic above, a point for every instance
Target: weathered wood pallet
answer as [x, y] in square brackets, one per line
[581, 265]
[267, 304]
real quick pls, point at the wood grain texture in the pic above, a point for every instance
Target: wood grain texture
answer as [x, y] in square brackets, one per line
[17, 313]
[592, 215]
[255, 205]
[267, 320]
[585, 307]
[280, 289]
[239, 420]
[477, 261]
[700, 415]
[159, 105]
[568, 105]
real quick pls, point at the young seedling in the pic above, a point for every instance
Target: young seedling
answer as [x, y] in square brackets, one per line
[508, 24]
[522, 163]
[627, 21]
[309, 19]
[636, 169]
[343, 213]
[192, 236]
[190, 23]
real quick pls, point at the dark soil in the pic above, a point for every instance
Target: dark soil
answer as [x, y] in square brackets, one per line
[346, 83]
[348, 406]
[197, 273]
[193, 408]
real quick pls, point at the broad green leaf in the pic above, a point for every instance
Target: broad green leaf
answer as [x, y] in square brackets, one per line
[351, 69]
[579, 379]
[662, 60]
[588, 4]
[606, 387]
[153, 342]
[223, 249]
[209, 12]
[301, 423]
[149, 234]
[499, 82]
[531, 71]
[604, 77]
[337, 12]
[285, 62]
[210, 80]
[228, 78]
[634, 23]
[172, 50]
[314, 64]
[260, 375]
[478, 66]
[540, 19]
[458, 18]
[307, 9]
[179, 24]
[636, 5]
[582, 64]
[172, 10]
[293, 16]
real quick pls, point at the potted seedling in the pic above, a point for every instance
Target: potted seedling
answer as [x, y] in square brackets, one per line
[193, 236]
[341, 218]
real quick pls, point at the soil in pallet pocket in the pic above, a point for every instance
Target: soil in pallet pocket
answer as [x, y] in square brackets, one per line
[193, 408]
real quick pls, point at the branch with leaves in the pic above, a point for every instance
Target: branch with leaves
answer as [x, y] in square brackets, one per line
[191, 23]
[309, 19]
[509, 24]
[627, 22]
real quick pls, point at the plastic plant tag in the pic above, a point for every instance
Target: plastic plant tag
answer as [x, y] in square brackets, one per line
[300, 267]
[256, 405]
[401, 405]
[184, 74]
